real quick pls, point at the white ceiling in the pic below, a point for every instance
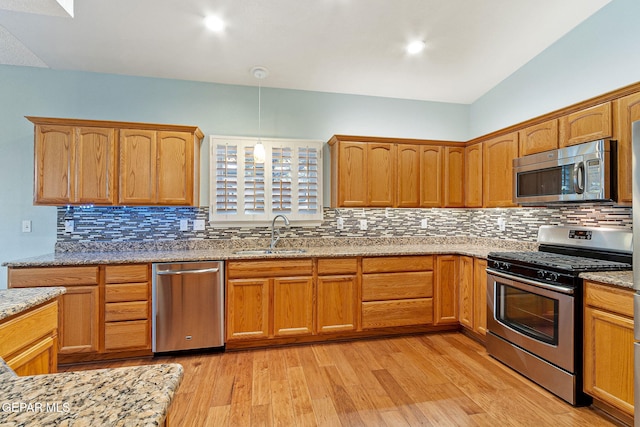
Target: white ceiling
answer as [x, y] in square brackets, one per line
[341, 46]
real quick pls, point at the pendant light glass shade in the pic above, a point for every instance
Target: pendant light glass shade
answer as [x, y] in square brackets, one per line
[259, 154]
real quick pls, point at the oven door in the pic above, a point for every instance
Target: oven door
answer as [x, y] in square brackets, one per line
[534, 316]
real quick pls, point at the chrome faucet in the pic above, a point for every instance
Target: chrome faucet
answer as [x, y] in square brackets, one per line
[275, 234]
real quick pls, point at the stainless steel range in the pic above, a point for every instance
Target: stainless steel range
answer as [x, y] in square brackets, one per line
[534, 303]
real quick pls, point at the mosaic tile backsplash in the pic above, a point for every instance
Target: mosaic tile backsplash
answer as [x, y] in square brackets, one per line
[146, 224]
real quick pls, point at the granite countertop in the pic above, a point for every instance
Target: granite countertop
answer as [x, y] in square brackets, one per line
[14, 301]
[619, 278]
[472, 247]
[132, 396]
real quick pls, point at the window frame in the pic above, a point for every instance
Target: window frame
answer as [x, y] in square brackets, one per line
[244, 146]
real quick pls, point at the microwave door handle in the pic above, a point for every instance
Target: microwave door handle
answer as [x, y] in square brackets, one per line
[578, 178]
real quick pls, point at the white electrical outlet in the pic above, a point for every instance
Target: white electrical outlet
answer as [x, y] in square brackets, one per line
[387, 212]
[184, 225]
[198, 224]
[69, 226]
[26, 226]
[502, 224]
[340, 223]
[424, 223]
[363, 224]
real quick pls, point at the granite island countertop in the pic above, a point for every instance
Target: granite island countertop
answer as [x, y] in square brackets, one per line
[132, 396]
[15, 301]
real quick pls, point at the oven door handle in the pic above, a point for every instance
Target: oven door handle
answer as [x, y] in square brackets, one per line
[555, 288]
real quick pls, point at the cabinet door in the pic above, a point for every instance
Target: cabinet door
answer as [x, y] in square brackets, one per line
[431, 176]
[137, 167]
[292, 306]
[446, 291]
[247, 308]
[336, 303]
[480, 296]
[539, 138]
[498, 170]
[473, 176]
[628, 112]
[466, 292]
[79, 320]
[380, 174]
[586, 125]
[54, 165]
[453, 177]
[175, 168]
[39, 358]
[608, 358]
[408, 176]
[95, 166]
[352, 178]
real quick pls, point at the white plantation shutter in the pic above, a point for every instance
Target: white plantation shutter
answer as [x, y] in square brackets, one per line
[289, 182]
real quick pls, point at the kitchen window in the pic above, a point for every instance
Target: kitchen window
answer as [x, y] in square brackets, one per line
[289, 182]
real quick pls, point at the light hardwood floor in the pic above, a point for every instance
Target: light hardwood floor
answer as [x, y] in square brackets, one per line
[442, 379]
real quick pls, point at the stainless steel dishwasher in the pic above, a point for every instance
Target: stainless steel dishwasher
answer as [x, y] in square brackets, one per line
[188, 306]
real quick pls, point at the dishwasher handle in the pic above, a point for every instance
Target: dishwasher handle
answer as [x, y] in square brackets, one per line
[196, 271]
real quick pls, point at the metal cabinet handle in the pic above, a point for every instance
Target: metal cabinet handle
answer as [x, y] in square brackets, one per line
[178, 272]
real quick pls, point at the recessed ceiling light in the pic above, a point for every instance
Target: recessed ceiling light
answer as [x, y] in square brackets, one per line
[415, 47]
[214, 23]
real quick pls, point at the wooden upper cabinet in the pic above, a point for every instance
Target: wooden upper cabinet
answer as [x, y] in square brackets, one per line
[586, 125]
[54, 165]
[137, 167]
[74, 165]
[539, 138]
[409, 160]
[453, 177]
[380, 174]
[628, 108]
[95, 162]
[473, 176]
[349, 179]
[498, 155]
[107, 163]
[430, 176]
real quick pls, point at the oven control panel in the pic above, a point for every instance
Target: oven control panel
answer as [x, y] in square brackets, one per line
[580, 234]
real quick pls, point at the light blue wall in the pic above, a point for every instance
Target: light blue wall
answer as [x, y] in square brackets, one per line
[216, 109]
[600, 55]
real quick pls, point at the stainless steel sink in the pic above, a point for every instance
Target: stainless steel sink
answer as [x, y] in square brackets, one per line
[269, 251]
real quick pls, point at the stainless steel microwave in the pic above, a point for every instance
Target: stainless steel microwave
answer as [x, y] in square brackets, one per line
[579, 173]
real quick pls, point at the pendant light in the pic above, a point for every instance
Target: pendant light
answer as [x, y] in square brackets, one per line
[259, 154]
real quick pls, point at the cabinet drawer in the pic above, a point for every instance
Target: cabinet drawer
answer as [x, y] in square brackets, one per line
[328, 266]
[120, 335]
[397, 264]
[269, 268]
[380, 314]
[610, 298]
[386, 286]
[25, 329]
[117, 311]
[126, 292]
[126, 273]
[52, 276]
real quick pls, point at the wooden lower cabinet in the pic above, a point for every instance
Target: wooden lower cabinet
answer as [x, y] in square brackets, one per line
[473, 295]
[608, 346]
[79, 320]
[28, 341]
[105, 312]
[397, 291]
[264, 301]
[337, 295]
[446, 290]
